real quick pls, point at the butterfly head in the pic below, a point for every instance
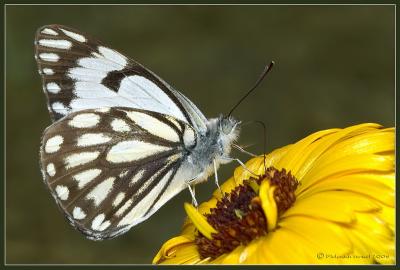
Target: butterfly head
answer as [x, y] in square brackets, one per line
[228, 125]
[228, 131]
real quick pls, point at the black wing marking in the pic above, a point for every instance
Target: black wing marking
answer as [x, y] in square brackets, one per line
[81, 73]
[108, 170]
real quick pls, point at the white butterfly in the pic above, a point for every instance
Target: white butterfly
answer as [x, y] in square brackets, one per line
[123, 141]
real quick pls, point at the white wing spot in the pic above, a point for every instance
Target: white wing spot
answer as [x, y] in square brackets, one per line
[175, 186]
[51, 169]
[137, 177]
[80, 159]
[123, 174]
[52, 87]
[137, 213]
[86, 176]
[59, 107]
[104, 225]
[120, 125]
[77, 37]
[98, 224]
[174, 158]
[48, 71]
[153, 126]
[78, 213]
[131, 150]
[99, 63]
[85, 120]
[113, 56]
[94, 90]
[50, 57]
[124, 207]
[174, 121]
[49, 31]
[118, 199]
[97, 221]
[89, 139]
[149, 96]
[85, 74]
[56, 43]
[148, 182]
[62, 192]
[189, 137]
[53, 144]
[97, 55]
[103, 110]
[100, 192]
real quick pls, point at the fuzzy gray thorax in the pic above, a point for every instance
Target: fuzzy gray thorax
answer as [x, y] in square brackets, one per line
[214, 144]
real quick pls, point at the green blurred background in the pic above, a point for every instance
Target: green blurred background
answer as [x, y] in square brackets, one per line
[334, 68]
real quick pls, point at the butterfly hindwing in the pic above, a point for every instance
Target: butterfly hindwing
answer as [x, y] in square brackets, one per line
[80, 73]
[111, 168]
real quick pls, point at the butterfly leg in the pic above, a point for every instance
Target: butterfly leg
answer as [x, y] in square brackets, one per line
[243, 150]
[194, 202]
[216, 177]
[192, 192]
[241, 164]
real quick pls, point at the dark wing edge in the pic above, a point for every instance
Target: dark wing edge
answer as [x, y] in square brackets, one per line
[101, 194]
[79, 72]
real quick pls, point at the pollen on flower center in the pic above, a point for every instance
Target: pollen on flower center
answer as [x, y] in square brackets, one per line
[239, 217]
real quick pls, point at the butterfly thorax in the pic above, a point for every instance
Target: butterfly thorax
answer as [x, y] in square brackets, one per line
[213, 145]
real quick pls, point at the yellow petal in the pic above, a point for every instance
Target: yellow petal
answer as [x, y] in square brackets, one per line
[344, 204]
[256, 165]
[327, 236]
[250, 254]
[199, 221]
[226, 187]
[346, 165]
[381, 247]
[204, 208]
[375, 238]
[220, 259]
[387, 214]
[314, 152]
[377, 186]
[268, 204]
[286, 247]
[233, 256]
[375, 227]
[372, 142]
[295, 156]
[185, 254]
[169, 248]
[337, 206]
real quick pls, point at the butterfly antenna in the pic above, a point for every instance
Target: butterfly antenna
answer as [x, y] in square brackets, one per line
[264, 142]
[266, 70]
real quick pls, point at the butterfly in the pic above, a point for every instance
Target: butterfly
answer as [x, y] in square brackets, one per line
[123, 142]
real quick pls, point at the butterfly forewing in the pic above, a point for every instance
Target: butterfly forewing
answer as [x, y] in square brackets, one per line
[118, 148]
[111, 168]
[80, 73]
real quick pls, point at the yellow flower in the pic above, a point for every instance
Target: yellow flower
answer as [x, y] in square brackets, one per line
[327, 199]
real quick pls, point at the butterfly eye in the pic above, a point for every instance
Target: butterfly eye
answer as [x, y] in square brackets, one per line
[227, 125]
[226, 129]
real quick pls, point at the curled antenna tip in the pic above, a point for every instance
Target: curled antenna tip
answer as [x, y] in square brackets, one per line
[271, 64]
[266, 70]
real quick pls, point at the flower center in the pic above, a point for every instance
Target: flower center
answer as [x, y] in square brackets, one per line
[239, 217]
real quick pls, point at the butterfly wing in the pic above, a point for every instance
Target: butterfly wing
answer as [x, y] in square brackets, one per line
[81, 73]
[111, 168]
